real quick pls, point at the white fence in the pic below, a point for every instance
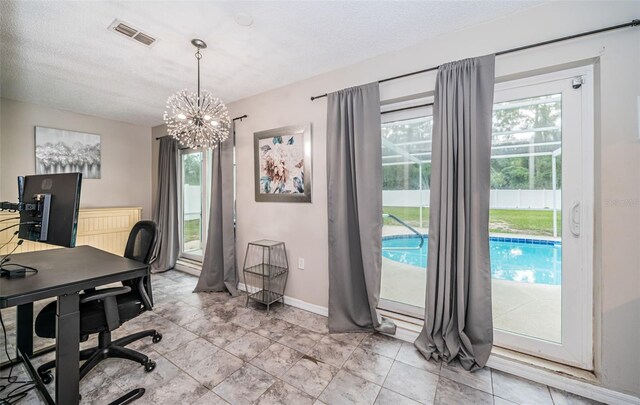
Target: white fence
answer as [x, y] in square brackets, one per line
[505, 199]
[192, 202]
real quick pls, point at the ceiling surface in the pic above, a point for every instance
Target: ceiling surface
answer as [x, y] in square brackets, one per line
[61, 54]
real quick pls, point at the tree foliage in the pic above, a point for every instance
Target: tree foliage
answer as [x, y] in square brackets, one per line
[192, 169]
[521, 172]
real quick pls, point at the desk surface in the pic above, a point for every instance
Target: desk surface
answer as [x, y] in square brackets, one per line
[64, 271]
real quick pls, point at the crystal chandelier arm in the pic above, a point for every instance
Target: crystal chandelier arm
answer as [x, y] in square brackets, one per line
[188, 102]
[205, 108]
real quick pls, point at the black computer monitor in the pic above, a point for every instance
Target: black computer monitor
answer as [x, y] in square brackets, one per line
[57, 197]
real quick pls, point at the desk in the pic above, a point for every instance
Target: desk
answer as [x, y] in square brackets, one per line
[62, 273]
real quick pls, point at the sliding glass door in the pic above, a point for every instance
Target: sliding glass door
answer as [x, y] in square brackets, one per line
[406, 168]
[193, 214]
[540, 219]
[195, 200]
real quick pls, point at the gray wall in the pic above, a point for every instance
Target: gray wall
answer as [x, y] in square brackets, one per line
[126, 154]
[617, 174]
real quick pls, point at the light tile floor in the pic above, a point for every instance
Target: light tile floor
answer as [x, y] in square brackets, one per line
[217, 351]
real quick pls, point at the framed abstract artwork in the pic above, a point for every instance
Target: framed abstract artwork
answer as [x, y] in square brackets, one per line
[282, 160]
[62, 151]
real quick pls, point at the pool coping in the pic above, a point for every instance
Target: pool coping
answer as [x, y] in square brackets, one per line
[528, 240]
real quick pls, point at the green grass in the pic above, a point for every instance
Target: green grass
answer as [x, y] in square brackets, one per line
[530, 222]
[410, 215]
[191, 230]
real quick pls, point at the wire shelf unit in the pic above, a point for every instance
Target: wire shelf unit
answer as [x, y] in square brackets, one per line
[265, 271]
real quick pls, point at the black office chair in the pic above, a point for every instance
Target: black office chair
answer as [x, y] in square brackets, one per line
[104, 310]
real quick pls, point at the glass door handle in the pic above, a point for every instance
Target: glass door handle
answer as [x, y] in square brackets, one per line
[574, 219]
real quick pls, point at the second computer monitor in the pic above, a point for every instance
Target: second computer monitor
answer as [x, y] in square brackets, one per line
[60, 228]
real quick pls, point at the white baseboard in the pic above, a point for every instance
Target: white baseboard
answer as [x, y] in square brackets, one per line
[409, 333]
[405, 334]
[294, 302]
[188, 267]
[316, 309]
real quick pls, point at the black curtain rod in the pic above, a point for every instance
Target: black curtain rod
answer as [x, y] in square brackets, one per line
[633, 23]
[234, 119]
[406, 108]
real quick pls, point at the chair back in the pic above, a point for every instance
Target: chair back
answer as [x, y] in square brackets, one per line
[141, 246]
[142, 242]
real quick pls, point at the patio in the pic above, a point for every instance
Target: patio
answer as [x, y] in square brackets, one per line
[523, 308]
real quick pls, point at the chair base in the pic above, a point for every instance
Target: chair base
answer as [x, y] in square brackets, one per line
[129, 397]
[107, 349]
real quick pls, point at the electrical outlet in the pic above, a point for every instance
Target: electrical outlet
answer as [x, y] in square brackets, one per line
[300, 263]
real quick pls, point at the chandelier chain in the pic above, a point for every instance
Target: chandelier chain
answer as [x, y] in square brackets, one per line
[198, 57]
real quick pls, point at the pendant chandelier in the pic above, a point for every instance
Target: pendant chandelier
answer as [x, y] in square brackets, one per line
[197, 120]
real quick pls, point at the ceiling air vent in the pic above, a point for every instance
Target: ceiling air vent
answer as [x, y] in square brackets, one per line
[144, 38]
[132, 33]
[125, 30]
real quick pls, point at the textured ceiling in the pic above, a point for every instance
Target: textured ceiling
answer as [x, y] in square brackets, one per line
[61, 54]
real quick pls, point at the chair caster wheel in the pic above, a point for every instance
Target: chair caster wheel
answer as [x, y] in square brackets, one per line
[149, 366]
[46, 377]
[157, 337]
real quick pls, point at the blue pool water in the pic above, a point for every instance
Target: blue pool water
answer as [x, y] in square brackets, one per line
[514, 259]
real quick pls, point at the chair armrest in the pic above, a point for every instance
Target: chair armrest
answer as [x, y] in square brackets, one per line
[102, 294]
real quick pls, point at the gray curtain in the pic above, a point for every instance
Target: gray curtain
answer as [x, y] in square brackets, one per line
[354, 176]
[165, 210]
[219, 264]
[458, 320]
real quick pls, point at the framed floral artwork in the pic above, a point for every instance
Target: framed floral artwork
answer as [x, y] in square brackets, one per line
[282, 160]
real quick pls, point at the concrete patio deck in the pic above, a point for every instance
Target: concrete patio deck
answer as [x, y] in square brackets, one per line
[518, 307]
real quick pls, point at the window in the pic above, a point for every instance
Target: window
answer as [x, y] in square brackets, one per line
[526, 155]
[195, 200]
[406, 169]
[540, 219]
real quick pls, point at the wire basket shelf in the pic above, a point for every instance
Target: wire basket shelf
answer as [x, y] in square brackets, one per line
[265, 271]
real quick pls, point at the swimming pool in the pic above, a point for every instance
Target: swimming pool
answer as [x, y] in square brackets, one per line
[515, 259]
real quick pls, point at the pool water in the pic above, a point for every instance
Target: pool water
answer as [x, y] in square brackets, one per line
[515, 259]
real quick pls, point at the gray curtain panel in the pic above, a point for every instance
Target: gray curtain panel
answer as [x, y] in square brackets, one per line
[165, 210]
[219, 264]
[354, 172]
[458, 321]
